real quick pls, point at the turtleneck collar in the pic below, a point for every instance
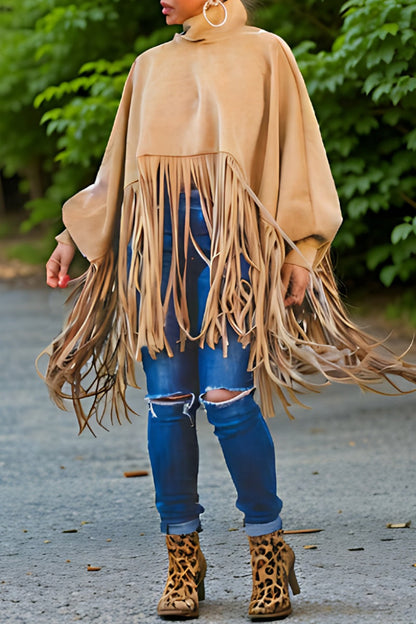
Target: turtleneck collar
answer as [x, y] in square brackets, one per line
[197, 28]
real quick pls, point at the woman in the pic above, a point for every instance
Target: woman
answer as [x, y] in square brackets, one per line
[210, 218]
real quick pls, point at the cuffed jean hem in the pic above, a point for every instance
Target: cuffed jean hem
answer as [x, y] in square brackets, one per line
[183, 528]
[255, 530]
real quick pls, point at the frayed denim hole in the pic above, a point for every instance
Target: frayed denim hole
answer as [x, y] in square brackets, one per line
[243, 393]
[164, 400]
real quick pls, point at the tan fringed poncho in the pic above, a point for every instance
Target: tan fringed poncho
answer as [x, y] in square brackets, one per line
[224, 110]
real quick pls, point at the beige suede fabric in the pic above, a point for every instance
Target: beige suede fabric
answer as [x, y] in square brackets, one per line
[233, 90]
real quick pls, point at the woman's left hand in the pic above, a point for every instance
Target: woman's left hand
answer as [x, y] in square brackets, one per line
[295, 282]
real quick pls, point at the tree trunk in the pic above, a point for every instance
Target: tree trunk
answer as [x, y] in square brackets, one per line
[2, 198]
[34, 175]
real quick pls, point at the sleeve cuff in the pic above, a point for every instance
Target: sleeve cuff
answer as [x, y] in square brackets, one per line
[304, 255]
[65, 238]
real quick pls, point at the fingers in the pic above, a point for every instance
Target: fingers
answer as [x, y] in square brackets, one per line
[285, 275]
[52, 272]
[296, 280]
[63, 277]
[64, 281]
[58, 264]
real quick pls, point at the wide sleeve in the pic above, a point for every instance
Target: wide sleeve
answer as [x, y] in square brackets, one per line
[90, 215]
[308, 206]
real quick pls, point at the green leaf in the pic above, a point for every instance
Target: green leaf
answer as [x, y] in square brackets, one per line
[372, 81]
[378, 255]
[405, 85]
[388, 274]
[392, 28]
[392, 116]
[384, 53]
[357, 207]
[382, 89]
[401, 232]
[411, 140]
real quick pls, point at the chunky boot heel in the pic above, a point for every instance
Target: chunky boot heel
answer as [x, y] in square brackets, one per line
[201, 590]
[185, 584]
[293, 582]
[272, 562]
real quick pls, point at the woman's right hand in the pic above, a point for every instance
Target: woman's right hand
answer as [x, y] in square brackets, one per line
[58, 265]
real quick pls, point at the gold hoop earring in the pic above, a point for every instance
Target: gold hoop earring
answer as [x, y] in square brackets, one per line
[211, 3]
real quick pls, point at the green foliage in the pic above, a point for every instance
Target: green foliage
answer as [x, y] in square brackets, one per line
[83, 122]
[23, 140]
[298, 21]
[74, 53]
[5, 230]
[364, 91]
[30, 253]
[403, 307]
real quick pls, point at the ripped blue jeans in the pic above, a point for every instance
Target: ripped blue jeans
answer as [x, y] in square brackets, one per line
[238, 423]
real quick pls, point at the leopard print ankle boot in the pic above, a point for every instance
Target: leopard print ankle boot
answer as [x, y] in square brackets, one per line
[272, 562]
[185, 584]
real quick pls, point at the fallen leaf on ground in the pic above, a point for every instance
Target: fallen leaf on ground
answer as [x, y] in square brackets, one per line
[136, 473]
[310, 547]
[354, 549]
[91, 568]
[70, 531]
[398, 525]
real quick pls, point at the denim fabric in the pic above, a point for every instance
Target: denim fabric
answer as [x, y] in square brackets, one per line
[174, 454]
[249, 454]
[194, 370]
[172, 436]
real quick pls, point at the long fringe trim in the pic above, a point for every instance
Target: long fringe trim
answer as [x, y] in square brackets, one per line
[88, 362]
[105, 332]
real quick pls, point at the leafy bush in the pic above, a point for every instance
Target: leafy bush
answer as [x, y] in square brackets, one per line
[364, 90]
[45, 44]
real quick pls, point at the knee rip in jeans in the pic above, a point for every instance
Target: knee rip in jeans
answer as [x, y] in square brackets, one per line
[187, 400]
[224, 396]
